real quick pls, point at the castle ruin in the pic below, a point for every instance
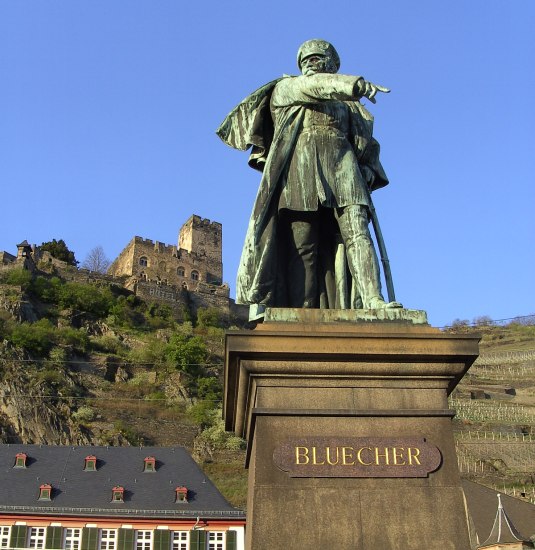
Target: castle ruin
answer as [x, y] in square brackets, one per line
[186, 276]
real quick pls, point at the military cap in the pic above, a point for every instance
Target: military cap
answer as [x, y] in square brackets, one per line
[317, 46]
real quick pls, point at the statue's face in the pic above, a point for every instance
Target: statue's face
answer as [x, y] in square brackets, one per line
[317, 63]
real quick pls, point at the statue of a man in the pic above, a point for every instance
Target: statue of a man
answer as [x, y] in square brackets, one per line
[308, 244]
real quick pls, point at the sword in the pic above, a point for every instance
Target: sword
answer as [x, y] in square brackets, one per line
[382, 248]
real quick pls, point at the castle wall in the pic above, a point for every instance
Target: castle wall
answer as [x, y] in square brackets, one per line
[197, 258]
[6, 258]
[205, 238]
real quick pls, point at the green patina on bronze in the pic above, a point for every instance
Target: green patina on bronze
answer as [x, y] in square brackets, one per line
[308, 243]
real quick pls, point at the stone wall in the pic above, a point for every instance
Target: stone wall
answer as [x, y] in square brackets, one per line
[205, 238]
[6, 258]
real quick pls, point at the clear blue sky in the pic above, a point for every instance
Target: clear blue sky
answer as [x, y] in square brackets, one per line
[108, 110]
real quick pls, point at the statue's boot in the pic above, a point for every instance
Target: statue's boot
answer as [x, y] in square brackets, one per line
[362, 258]
[378, 303]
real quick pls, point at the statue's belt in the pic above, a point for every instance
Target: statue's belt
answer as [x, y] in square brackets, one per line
[324, 131]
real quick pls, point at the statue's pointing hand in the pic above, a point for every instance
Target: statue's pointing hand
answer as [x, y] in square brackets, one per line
[369, 90]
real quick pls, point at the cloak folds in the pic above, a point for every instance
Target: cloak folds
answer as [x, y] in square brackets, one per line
[250, 125]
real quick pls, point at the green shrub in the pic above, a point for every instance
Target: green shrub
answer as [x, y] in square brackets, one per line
[76, 338]
[131, 435]
[127, 312]
[209, 389]
[84, 414]
[46, 289]
[209, 317]
[188, 354]
[51, 376]
[89, 298]
[19, 277]
[153, 353]
[36, 338]
[58, 355]
[201, 413]
[108, 344]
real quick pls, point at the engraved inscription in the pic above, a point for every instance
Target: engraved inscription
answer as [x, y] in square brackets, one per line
[357, 457]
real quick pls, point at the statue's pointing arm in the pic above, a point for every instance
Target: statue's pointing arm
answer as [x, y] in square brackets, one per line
[323, 87]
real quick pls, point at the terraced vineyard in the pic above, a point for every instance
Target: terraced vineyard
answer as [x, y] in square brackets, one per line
[495, 405]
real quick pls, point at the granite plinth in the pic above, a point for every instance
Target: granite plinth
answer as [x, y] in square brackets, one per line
[289, 382]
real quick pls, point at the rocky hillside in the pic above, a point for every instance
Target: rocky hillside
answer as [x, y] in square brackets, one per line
[94, 364]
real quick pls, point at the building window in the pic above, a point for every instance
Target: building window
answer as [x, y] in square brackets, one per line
[181, 494]
[20, 460]
[143, 261]
[90, 464]
[195, 275]
[117, 494]
[180, 271]
[73, 539]
[37, 537]
[180, 540]
[143, 540]
[5, 533]
[45, 492]
[108, 539]
[216, 540]
[149, 464]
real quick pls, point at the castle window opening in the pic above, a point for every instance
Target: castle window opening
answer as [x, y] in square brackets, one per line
[180, 271]
[143, 261]
[162, 266]
[194, 275]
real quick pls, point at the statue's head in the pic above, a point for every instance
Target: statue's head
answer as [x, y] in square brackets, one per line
[317, 56]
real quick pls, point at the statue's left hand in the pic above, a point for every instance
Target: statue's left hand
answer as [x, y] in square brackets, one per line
[369, 90]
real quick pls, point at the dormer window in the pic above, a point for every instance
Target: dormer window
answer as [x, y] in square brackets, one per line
[20, 460]
[149, 464]
[90, 463]
[45, 491]
[117, 494]
[181, 494]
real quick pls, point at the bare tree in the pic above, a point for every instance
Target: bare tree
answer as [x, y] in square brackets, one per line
[96, 260]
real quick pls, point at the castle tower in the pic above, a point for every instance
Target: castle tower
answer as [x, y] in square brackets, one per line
[204, 238]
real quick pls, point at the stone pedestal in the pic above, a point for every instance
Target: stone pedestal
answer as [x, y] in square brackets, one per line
[349, 438]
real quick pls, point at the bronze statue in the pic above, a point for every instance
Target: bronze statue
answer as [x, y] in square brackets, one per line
[308, 244]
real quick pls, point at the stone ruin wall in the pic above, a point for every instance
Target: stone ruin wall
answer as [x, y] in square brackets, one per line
[205, 238]
[153, 261]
